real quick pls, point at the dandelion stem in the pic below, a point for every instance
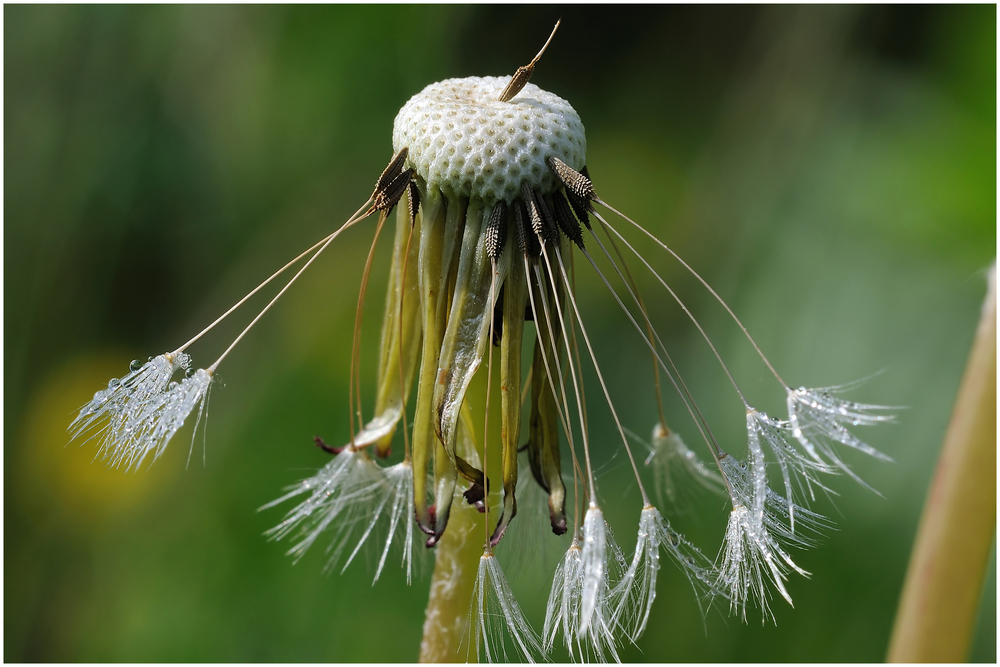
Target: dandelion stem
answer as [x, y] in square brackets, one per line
[937, 610]
[456, 561]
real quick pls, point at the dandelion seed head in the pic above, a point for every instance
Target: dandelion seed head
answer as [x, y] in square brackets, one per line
[465, 142]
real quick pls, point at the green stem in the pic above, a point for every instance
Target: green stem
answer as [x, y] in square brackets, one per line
[937, 610]
[455, 566]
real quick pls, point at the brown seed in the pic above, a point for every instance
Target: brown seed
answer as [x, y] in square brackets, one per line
[523, 74]
[496, 231]
[567, 223]
[413, 201]
[390, 173]
[387, 198]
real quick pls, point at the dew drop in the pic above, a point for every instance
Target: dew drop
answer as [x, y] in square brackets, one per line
[135, 365]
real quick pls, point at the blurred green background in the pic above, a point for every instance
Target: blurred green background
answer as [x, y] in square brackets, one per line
[831, 171]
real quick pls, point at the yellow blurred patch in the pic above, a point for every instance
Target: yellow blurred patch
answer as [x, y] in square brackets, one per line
[68, 479]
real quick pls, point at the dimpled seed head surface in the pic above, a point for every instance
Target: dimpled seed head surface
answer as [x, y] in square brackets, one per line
[465, 142]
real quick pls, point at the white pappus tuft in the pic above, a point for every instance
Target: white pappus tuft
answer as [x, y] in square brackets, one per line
[496, 618]
[596, 613]
[399, 480]
[749, 557]
[564, 609]
[636, 590]
[794, 467]
[347, 489]
[595, 565]
[118, 416]
[674, 465]
[818, 420]
[751, 554]
[778, 513]
[168, 415]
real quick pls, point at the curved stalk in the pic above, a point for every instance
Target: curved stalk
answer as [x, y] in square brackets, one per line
[937, 610]
[456, 561]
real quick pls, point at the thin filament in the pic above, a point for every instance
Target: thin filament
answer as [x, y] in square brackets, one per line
[355, 377]
[600, 376]
[352, 221]
[572, 373]
[674, 376]
[561, 395]
[672, 373]
[702, 281]
[273, 276]
[563, 416]
[399, 340]
[649, 326]
[684, 308]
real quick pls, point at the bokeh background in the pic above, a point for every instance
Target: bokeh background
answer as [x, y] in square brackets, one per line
[830, 170]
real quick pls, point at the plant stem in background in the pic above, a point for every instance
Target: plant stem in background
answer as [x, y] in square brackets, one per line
[456, 561]
[937, 611]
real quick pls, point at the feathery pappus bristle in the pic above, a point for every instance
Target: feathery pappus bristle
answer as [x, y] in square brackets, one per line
[495, 618]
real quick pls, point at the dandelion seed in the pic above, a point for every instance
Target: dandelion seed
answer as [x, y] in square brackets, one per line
[348, 489]
[675, 465]
[399, 479]
[118, 416]
[751, 554]
[563, 607]
[563, 611]
[750, 557]
[818, 420]
[145, 408]
[794, 467]
[777, 515]
[169, 414]
[496, 619]
[164, 414]
[600, 554]
[637, 588]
